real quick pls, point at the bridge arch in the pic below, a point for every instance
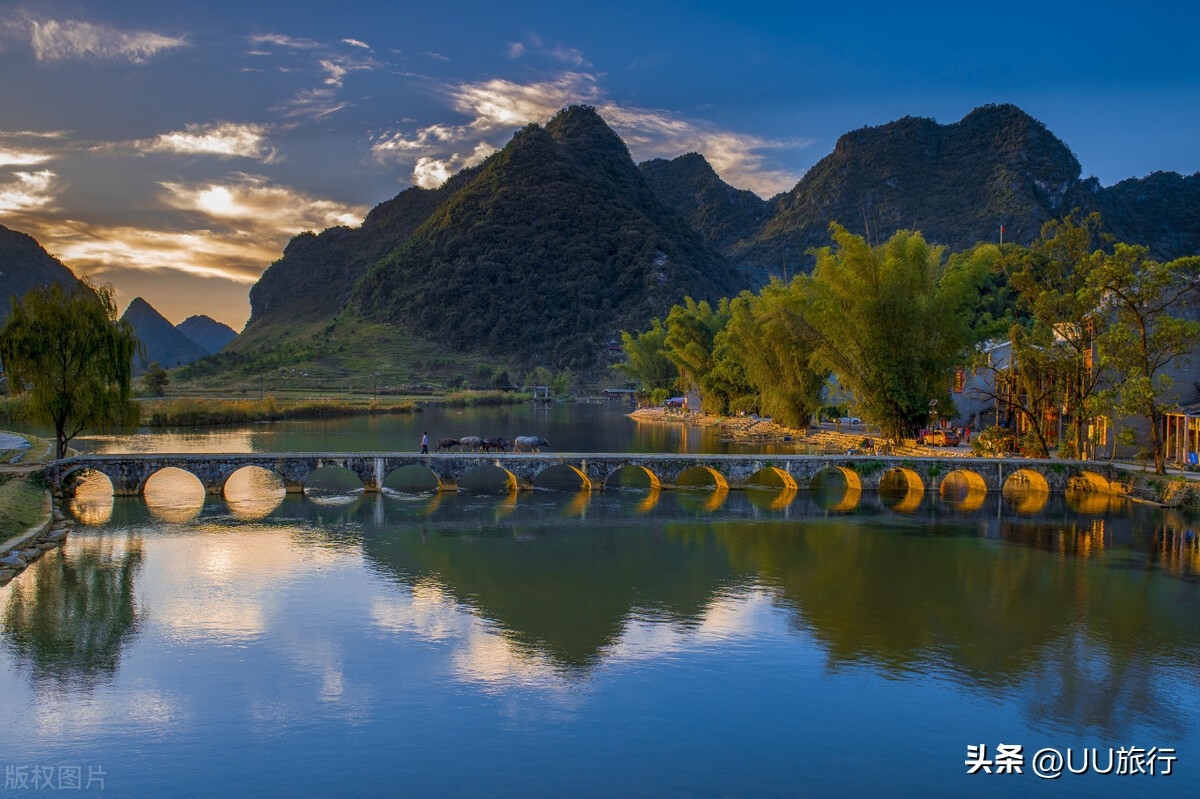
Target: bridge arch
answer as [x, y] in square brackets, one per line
[963, 489]
[1087, 480]
[173, 494]
[901, 489]
[630, 475]
[253, 491]
[332, 483]
[489, 477]
[413, 478]
[772, 477]
[561, 475]
[838, 488]
[1027, 490]
[687, 477]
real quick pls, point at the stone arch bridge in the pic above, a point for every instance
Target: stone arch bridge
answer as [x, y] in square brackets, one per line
[129, 473]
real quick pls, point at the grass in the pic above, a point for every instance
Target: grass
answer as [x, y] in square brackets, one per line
[194, 412]
[20, 506]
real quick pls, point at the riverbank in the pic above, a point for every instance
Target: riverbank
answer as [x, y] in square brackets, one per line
[759, 430]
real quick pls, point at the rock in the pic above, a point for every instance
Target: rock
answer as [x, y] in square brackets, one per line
[57, 534]
[29, 554]
[12, 561]
[46, 546]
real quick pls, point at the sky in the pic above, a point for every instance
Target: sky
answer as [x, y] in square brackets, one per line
[172, 149]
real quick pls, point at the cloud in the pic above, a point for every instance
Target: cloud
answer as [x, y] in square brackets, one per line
[67, 40]
[496, 107]
[228, 230]
[222, 139]
[28, 191]
[332, 64]
[12, 157]
[536, 46]
[356, 43]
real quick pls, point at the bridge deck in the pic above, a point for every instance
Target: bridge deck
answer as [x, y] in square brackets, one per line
[129, 472]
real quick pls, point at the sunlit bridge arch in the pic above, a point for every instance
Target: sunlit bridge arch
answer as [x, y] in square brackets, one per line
[1027, 491]
[901, 489]
[632, 475]
[772, 477]
[837, 488]
[173, 494]
[699, 476]
[253, 492]
[489, 477]
[963, 490]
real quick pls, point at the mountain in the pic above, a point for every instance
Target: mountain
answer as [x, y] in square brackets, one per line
[212, 336]
[25, 265]
[955, 183]
[537, 256]
[162, 343]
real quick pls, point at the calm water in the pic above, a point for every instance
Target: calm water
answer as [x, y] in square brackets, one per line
[624, 643]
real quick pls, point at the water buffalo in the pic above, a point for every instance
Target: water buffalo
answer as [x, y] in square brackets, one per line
[473, 443]
[446, 443]
[495, 442]
[529, 443]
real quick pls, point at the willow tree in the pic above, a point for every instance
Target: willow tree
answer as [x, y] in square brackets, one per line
[890, 321]
[66, 349]
[765, 336]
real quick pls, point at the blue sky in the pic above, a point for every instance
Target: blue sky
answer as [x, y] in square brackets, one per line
[172, 149]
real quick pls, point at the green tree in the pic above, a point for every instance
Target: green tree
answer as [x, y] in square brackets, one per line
[1055, 288]
[691, 329]
[1146, 338]
[890, 321]
[68, 350]
[156, 380]
[646, 362]
[765, 336]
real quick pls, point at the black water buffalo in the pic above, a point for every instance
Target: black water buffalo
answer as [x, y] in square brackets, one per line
[473, 443]
[447, 443]
[529, 443]
[496, 442]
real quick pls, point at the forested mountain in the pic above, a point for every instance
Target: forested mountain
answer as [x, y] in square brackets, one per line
[543, 252]
[211, 335]
[956, 183]
[161, 342]
[537, 256]
[24, 265]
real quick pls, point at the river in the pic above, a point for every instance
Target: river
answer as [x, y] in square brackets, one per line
[622, 643]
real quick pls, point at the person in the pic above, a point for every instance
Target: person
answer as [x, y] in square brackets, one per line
[425, 443]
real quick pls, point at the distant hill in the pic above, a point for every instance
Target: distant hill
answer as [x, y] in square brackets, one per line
[25, 265]
[538, 256]
[211, 335]
[162, 342]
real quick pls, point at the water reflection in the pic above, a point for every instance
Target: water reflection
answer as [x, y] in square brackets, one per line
[72, 614]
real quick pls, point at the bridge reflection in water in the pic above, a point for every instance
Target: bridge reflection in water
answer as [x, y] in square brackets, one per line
[903, 484]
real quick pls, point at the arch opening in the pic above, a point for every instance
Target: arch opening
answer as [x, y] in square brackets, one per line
[632, 476]
[253, 492]
[332, 485]
[1026, 491]
[488, 479]
[963, 490]
[562, 477]
[701, 477]
[772, 477]
[836, 489]
[173, 495]
[901, 490]
[92, 498]
[410, 479]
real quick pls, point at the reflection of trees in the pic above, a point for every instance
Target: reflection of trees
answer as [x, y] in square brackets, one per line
[70, 616]
[1087, 645]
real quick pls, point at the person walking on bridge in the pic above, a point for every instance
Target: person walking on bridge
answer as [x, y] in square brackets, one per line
[425, 443]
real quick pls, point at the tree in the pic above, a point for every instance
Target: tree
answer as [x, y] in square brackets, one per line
[688, 344]
[1146, 338]
[1054, 285]
[69, 352]
[156, 380]
[646, 361]
[890, 322]
[764, 336]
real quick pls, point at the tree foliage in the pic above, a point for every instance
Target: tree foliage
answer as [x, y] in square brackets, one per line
[66, 348]
[890, 322]
[646, 362]
[1146, 337]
